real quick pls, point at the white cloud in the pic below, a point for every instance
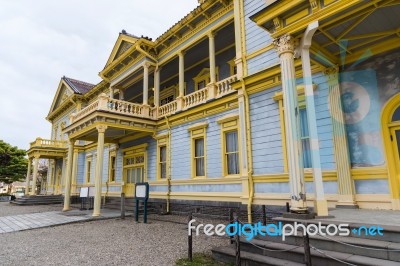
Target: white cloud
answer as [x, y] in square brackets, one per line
[40, 41]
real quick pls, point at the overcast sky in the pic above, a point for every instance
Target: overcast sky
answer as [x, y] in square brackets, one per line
[42, 40]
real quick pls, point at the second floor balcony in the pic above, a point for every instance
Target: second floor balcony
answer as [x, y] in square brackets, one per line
[47, 148]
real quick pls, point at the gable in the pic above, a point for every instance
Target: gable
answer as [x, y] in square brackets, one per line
[63, 92]
[123, 43]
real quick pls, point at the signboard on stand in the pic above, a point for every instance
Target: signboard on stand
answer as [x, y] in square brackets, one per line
[141, 194]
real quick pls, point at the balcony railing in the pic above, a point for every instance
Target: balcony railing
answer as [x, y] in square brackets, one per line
[48, 143]
[105, 103]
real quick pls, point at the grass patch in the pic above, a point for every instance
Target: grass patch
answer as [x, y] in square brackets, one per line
[199, 259]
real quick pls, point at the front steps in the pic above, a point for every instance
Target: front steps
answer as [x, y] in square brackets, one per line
[260, 250]
[39, 200]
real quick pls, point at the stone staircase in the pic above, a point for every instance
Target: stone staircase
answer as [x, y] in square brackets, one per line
[330, 250]
[39, 200]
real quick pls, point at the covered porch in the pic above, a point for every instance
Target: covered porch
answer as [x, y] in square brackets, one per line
[43, 149]
[103, 128]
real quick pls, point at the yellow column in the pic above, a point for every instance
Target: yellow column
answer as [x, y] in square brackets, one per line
[239, 45]
[285, 46]
[212, 93]
[74, 169]
[342, 158]
[98, 174]
[179, 99]
[111, 92]
[157, 86]
[211, 46]
[68, 176]
[28, 174]
[35, 173]
[145, 83]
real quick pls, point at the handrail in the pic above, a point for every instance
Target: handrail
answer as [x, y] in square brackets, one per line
[105, 103]
[224, 86]
[167, 109]
[195, 98]
[39, 142]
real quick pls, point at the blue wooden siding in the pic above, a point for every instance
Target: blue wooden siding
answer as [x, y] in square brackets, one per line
[266, 131]
[207, 188]
[80, 176]
[180, 142]
[257, 38]
[378, 186]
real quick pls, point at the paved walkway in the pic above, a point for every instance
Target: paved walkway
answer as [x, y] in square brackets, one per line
[45, 219]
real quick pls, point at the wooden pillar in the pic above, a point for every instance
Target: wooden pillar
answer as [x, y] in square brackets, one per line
[28, 175]
[146, 83]
[98, 174]
[211, 46]
[342, 158]
[157, 86]
[35, 173]
[68, 177]
[285, 46]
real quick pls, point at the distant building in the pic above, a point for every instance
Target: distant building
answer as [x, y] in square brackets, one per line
[216, 111]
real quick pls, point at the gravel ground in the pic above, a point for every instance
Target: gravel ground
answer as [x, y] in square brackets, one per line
[7, 209]
[105, 242]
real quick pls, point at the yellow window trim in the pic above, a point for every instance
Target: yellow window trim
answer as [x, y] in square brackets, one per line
[132, 152]
[300, 91]
[113, 154]
[228, 124]
[88, 170]
[198, 131]
[162, 141]
[301, 100]
[204, 75]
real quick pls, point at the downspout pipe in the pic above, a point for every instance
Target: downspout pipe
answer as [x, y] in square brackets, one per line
[320, 203]
[169, 164]
[249, 153]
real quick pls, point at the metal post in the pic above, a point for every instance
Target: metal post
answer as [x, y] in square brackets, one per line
[237, 242]
[231, 229]
[264, 215]
[145, 212]
[122, 205]
[287, 207]
[307, 252]
[190, 240]
[137, 211]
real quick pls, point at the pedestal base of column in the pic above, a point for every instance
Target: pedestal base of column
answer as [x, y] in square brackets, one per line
[179, 103]
[321, 209]
[346, 202]
[146, 110]
[212, 91]
[66, 209]
[95, 214]
[299, 216]
[396, 204]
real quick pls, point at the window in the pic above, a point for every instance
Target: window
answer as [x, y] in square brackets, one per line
[162, 156]
[232, 152]
[88, 169]
[168, 94]
[232, 67]
[230, 144]
[304, 134]
[112, 167]
[163, 161]
[199, 157]
[198, 149]
[203, 78]
[305, 139]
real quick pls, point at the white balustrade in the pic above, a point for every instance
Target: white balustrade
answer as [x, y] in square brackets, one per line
[224, 86]
[105, 103]
[167, 109]
[195, 98]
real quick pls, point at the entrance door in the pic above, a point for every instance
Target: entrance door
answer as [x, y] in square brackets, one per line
[134, 172]
[395, 138]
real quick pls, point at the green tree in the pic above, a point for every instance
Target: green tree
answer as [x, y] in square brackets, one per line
[13, 164]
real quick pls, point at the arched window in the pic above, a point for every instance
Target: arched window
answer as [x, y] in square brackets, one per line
[396, 115]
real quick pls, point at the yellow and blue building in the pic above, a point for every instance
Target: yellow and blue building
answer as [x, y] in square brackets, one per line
[240, 103]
